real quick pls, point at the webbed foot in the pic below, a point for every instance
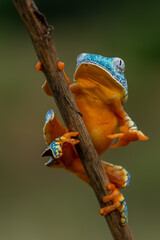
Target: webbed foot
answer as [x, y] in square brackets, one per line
[117, 174]
[55, 150]
[125, 137]
[118, 201]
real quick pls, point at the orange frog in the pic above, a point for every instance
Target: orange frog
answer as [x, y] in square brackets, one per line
[101, 91]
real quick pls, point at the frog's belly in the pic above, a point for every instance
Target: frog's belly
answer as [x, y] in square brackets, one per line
[100, 122]
[100, 140]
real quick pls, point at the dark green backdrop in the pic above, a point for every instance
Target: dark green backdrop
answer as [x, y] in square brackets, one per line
[38, 203]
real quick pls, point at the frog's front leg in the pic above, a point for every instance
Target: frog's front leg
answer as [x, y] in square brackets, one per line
[126, 136]
[118, 203]
[128, 129]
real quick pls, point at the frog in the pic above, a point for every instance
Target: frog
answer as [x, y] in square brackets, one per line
[101, 92]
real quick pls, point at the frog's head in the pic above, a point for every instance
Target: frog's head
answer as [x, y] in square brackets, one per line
[107, 71]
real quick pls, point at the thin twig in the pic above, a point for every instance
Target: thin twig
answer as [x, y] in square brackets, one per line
[40, 33]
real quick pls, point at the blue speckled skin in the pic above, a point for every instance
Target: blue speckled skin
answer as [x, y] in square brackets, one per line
[106, 64]
[49, 116]
[56, 148]
[128, 179]
[124, 212]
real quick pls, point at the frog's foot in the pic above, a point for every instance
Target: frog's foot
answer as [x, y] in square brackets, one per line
[67, 137]
[118, 201]
[117, 174]
[60, 66]
[125, 137]
[55, 150]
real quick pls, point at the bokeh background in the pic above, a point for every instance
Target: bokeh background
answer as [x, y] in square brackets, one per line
[38, 203]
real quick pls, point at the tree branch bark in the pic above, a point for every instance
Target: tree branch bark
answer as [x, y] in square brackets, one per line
[40, 33]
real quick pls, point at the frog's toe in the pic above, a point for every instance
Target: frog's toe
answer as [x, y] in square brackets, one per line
[141, 136]
[118, 144]
[126, 137]
[126, 177]
[121, 176]
[67, 137]
[118, 201]
[123, 139]
[60, 66]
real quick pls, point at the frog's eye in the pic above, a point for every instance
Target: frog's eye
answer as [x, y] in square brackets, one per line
[119, 65]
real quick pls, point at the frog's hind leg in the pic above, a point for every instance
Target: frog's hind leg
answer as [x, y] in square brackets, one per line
[117, 174]
[52, 127]
[119, 178]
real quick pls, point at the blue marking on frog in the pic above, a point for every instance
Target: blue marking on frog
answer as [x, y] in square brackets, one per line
[114, 66]
[49, 116]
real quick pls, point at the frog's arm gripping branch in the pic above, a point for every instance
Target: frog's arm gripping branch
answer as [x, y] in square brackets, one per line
[128, 129]
[39, 31]
[128, 132]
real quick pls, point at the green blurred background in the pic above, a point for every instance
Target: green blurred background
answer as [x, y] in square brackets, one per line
[38, 203]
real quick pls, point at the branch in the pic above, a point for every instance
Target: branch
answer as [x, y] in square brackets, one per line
[40, 33]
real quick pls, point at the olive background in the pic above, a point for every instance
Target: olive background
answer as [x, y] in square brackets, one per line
[39, 203]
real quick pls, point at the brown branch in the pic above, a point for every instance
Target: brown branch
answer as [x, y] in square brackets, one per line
[40, 33]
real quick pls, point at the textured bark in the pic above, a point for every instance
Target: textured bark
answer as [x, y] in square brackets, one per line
[40, 33]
